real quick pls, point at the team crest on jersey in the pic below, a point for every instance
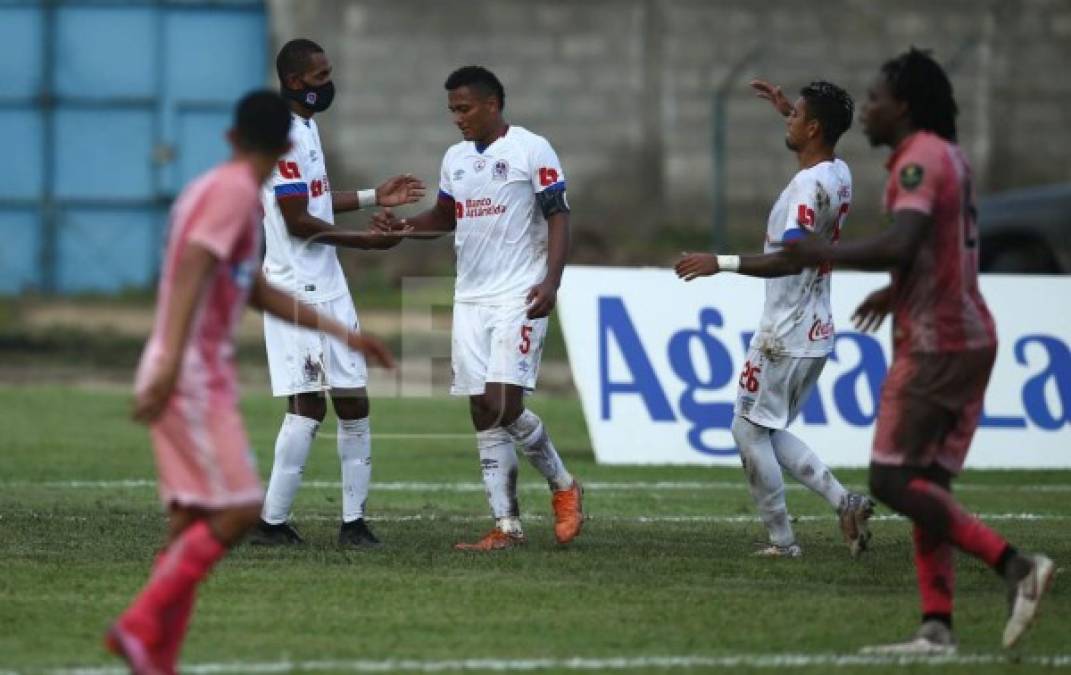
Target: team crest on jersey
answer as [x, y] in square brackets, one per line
[501, 170]
[479, 165]
[911, 176]
[459, 174]
[821, 198]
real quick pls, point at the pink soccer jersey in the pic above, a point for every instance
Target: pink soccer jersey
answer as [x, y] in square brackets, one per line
[201, 448]
[938, 307]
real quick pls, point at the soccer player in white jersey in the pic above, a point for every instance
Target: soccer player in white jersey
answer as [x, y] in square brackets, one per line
[502, 194]
[300, 236]
[795, 335]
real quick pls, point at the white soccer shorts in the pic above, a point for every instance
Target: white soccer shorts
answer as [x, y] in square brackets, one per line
[495, 343]
[302, 361]
[771, 390]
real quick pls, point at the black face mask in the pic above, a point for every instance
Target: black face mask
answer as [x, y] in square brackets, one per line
[317, 99]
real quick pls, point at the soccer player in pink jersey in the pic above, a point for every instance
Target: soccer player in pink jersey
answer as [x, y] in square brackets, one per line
[186, 387]
[944, 346]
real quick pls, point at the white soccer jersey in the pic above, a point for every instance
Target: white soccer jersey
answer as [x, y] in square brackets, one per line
[797, 319]
[501, 236]
[305, 268]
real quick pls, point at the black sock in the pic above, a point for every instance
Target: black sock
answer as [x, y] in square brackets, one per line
[1006, 556]
[946, 619]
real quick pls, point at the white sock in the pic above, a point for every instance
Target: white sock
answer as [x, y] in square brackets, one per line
[509, 525]
[528, 431]
[291, 451]
[764, 479]
[355, 455]
[498, 460]
[806, 467]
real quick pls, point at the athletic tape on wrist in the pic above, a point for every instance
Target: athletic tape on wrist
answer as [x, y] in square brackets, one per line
[366, 198]
[729, 263]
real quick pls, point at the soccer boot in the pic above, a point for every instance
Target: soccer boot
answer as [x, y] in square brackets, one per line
[853, 513]
[138, 653]
[568, 508]
[281, 534]
[933, 638]
[775, 551]
[1026, 597]
[495, 540]
[356, 534]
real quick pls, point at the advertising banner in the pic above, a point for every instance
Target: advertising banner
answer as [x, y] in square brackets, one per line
[657, 360]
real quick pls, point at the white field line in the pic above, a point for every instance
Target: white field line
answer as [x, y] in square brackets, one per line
[729, 662]
[668, 518]
[603, 486]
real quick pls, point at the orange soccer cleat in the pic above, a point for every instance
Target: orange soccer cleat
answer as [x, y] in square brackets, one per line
[568, 512]
[495, 540]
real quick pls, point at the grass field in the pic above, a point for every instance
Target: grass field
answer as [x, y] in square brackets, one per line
[661, 579]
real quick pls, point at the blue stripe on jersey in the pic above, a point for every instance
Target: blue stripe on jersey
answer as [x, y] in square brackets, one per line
[792, 234]
[445, 195]
[557, 187]
[291, 190]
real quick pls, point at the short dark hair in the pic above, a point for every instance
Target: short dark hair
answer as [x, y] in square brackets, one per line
[293, 58]
[478, 78]
[831, 106]
[915, 78]
[262, 122]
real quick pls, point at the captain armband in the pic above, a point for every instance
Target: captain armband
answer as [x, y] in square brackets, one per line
[552, 201]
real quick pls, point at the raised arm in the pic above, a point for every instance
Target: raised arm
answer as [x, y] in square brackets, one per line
[773, 94]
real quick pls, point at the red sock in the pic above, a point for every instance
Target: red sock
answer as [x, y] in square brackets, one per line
[180, 568]
[936, 573]
[965, 532]
[176, 619]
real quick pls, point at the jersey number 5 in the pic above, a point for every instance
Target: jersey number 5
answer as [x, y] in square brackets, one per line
[526, 339]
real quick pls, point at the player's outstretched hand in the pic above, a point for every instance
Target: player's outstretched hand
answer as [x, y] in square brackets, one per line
[150, 401]
[870, 313]
[541, 300]
[774, 95]
[399, 190]
[373, 349]
[695, 265]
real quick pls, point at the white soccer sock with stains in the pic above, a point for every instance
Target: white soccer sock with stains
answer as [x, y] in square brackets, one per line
[498, 462]
[355, 455]
[805, 466]
[291, 451]
[764, 479]
[528, 431]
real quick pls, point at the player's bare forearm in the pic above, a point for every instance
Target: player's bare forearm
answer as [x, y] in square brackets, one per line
[558, 236]
[278, 303]
[195, 265]
[342, 202]
[768, 265]
[896, 247]
[301, 224]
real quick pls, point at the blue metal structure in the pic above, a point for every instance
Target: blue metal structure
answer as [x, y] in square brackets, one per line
[109, 108]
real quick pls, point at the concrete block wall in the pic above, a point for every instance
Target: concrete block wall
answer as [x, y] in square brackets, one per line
[623, 90]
